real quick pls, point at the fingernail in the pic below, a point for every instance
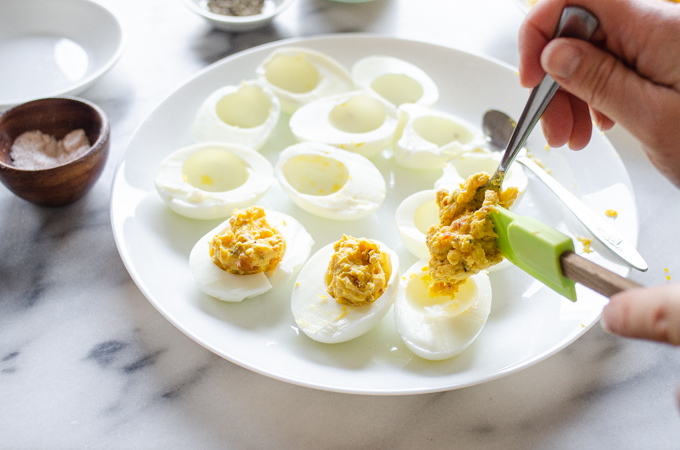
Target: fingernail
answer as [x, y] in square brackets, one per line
[561, 59]
[545, 132]
[607, 319]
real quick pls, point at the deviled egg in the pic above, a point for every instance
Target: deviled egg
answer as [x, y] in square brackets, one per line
[209, 180]
[298, 76]
[437, 327]
[430, 138]
[345, 289]
[395, 80]
[252, 252]
[245, 114]
[358, 121]
[330, 182]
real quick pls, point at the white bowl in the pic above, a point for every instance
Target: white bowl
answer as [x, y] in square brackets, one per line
[238, 23]
[51, 48]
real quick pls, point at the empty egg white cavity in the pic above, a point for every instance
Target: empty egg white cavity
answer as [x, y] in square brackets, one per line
[246, 114]
[330, 182]
[356, 121]
[208, 181]
[430, 138]
[414, 216]
[395, 80]
[298, 76]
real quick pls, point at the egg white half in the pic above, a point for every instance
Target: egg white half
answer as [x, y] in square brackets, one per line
[462, 166]
[437, 328]
[299, 75]
[430, 138]
[323, 319]
[358, 121]
[230, 287]
[245, 114]
[329, 182]
[396, 80]
[209, 180]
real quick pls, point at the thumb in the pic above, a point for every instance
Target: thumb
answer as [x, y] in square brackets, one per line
[595, 76]
[646, 313]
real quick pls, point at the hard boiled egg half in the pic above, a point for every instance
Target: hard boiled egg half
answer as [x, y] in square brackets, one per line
[358, 121]
[245, 114]
[230, 287]
[440, 327]
[329, 182]
[325, 320]
[209, 180]
[430, 138]
[458, 169]
[395, 80]
[299, 75]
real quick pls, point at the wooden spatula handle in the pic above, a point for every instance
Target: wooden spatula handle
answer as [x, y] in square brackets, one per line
[591, 275]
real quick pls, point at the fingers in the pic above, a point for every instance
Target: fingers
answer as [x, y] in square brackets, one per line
[603, 122]
[647, 313]
[597, 78]
[567, 120]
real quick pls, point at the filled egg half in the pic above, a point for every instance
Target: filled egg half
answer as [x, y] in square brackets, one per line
[321, 317]
[298, 76]
[429, 138]
[235, 287]
[209, 180]
[329, 182]
[438, 327]
[245, 114]
[357, 121]
[395, 80]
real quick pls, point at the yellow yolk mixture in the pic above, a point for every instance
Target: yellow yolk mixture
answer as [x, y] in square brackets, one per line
[357, 273]
[250, 245]
[464, 242]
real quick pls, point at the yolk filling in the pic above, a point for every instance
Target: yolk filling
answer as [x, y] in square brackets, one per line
[358, 272]
[464, 242]
[250, 245]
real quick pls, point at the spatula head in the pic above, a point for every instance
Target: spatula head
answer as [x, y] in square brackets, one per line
[535, 248]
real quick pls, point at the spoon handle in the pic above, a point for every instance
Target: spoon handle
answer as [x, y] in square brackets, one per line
[575, 22]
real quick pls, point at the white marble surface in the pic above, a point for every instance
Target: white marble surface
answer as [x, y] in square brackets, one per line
[87, 362]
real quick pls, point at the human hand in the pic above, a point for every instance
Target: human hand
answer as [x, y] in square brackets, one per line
[629, 73]
[648, 313]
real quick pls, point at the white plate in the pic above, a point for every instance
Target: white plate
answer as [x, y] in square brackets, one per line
[50, 48]
[528, 322]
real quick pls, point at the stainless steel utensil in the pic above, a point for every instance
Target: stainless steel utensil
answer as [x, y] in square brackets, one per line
[498, 127]
[575, 22]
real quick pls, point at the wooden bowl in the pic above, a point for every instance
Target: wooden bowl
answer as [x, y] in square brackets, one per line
[65, 183]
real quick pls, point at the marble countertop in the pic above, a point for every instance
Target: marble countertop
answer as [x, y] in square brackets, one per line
[87, 362]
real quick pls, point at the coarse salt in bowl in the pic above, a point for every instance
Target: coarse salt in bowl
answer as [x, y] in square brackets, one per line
[52, 178]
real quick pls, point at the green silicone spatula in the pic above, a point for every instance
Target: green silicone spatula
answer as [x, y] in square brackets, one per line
[548, 255]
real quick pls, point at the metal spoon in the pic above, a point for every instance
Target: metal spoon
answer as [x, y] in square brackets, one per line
[498, 127]
[575, 22]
